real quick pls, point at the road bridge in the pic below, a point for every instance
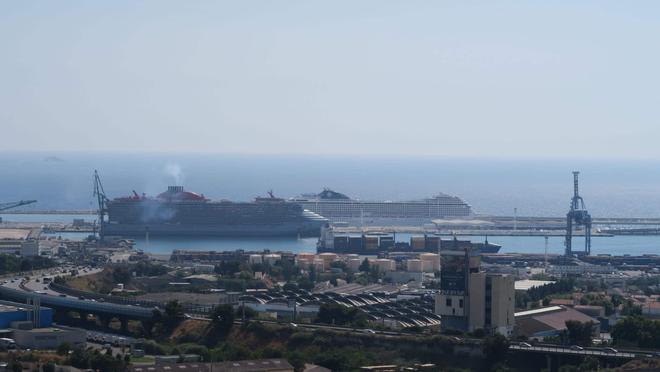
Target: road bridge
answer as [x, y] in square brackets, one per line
[82, 306]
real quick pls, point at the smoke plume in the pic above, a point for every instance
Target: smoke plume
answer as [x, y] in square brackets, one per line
[174, 170]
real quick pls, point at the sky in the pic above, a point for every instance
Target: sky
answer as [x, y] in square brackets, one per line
[517, 79]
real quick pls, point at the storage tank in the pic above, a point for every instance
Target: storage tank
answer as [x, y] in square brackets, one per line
[353, 264]
[272, 258]
[430, 262]
[414, 265]
[385, 265]
[328, 258]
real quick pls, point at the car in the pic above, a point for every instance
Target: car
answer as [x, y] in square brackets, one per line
[370, 331]
[576, 347]
[137, 353]
[524, 344]
[610, 350]
[62, 295]
[294, 325]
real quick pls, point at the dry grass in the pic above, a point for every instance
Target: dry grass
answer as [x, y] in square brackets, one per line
[189, 330]
[101, 282]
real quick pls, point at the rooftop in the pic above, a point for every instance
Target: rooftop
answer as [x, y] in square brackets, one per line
[14, 234]
[542, 310]
[523, 285]
[260, 365]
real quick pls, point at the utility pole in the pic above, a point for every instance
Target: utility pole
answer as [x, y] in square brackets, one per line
[546, 255]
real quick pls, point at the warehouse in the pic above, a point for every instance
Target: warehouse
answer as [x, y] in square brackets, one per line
[15, 312]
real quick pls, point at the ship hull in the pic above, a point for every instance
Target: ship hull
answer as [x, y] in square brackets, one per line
[310, 229]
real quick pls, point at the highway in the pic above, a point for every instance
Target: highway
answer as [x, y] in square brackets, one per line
[20, 289]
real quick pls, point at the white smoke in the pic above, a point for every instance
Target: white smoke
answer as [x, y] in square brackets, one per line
[174, 170]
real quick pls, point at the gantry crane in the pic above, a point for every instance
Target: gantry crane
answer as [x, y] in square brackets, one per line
[5, 206]
[579, 215]
[99, 192]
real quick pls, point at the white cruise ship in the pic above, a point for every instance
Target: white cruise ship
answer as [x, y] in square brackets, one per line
[339, 208]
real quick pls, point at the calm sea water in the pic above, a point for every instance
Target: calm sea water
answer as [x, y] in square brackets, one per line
[616, 245]
[534, 187]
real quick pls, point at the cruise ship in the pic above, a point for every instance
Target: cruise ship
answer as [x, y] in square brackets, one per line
[339, 208]
[177, 212]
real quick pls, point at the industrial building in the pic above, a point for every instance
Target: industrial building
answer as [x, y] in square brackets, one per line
[11, 312]
[259, 365]
[30, 326]
[49, 337]
[550, 321]
[20, 242]
[470, 299]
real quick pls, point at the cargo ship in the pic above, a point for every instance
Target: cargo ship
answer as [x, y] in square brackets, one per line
[177, 212]
[341, 209]
[375, 243]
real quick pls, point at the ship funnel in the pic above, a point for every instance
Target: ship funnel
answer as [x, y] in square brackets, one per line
[174, 189]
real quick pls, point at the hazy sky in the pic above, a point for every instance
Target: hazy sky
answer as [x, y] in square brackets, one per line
[457, 78]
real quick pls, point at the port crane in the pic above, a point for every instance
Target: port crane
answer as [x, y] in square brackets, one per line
[101, 199]
[579, 216]
[5, 206]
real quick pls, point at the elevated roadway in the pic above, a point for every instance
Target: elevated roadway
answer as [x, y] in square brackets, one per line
[567, 350]
[21, 290]
[83, 306]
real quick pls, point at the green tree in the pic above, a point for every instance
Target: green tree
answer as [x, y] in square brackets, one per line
[495, 348]
[121, 274]
[15, 366]
[26, 265]
[222, 318]
[589, 364]
[364, 266]
[222, 321]
[64, 348]
[48, 367]
[334, 360]
[579, 333]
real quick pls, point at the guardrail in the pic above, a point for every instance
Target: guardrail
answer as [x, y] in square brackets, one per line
[191, 308]
[74, 303]
[570, 351]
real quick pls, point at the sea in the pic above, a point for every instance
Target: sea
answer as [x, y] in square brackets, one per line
[531, 187]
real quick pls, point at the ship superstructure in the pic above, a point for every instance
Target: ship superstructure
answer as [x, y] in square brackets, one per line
[177, 212]
[339, 208]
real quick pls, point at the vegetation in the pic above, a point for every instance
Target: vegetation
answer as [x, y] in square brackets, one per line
[536, 294]
[341, 315]
[637, 331]
[495, 348]
[96, 360]
[13, 264]
[579, 333]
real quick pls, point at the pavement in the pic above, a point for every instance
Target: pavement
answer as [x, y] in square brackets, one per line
[35, 282]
